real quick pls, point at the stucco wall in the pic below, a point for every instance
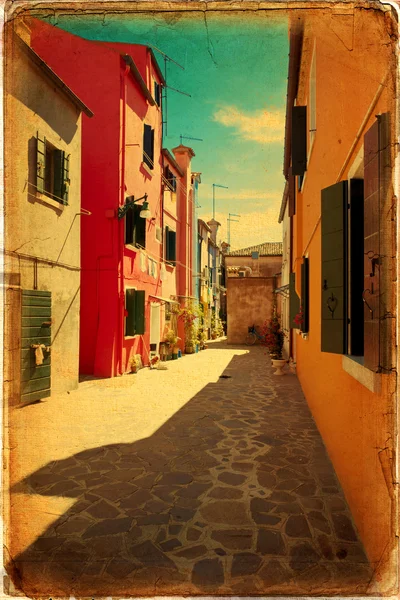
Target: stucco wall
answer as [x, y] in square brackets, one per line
[249, 301]
[355, 422]
[37, 226]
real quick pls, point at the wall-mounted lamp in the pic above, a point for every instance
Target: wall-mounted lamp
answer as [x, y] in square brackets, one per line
[130, 202]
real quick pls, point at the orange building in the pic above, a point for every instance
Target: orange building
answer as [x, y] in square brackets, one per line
[339, 215]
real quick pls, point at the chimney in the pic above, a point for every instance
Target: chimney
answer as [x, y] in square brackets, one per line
[213, 225]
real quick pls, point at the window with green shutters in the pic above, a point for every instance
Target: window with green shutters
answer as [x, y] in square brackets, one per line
[356, 241]
[170, 245]
[52, 174]
[135, 227]
[299, 140]
[135, 312]
[305, 295]
[294, 302]
[148, 146]
[334, 268]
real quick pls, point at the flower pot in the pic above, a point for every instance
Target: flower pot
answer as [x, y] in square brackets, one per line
[278, 364]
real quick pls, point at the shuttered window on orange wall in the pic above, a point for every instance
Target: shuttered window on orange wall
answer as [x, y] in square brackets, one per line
[299, 140]
[334, 268]
[357, 258]
[294, 302]
[305, 294]
[292, 194]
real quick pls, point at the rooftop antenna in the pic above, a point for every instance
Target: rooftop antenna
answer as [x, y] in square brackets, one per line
[214, 186]
[187, 137]
[229, 220]
[164, 88]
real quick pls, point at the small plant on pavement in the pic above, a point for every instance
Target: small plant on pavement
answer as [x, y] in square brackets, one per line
[273, 337]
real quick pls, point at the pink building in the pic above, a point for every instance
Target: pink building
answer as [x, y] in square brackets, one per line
[122, 244]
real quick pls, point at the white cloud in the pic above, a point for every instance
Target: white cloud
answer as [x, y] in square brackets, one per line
[262, 126]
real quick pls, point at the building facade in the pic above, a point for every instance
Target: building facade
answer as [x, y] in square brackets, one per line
[339, 214]
[42, 231]
[253, 275]
[122, 163]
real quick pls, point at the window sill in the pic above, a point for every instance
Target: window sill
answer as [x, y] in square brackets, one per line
[353, 365]
[50, 202]
[147, 169]
[133, 247]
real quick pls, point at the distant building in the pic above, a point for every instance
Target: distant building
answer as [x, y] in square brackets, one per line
[252, 276]
[42, 231]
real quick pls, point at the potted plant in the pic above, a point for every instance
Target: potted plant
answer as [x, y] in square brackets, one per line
[172, 340]
[273, 339]
[189, 314]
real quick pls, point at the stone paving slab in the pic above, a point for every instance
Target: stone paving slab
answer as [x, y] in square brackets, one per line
[233, 495]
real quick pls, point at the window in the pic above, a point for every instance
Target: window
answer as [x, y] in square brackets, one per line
[299, 140]
[148, 146]
[157, 93]
[312, 100]
[356, 270]
[170, 245]
[134, 312]
[52, 176]
[135, 227]
[294, 302]
[305, 295]
[170, 179]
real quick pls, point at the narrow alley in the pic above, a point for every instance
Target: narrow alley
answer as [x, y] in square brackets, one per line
[218, 485]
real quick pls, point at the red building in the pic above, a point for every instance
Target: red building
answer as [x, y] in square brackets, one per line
[122, 242]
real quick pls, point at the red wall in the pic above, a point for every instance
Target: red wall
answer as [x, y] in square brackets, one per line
[97, 74]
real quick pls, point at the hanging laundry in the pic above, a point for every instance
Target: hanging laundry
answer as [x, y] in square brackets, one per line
[143, 262]
[163, 272]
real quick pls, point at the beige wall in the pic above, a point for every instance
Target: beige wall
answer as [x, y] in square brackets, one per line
[265, 266]
[37, 226]
[249, 301]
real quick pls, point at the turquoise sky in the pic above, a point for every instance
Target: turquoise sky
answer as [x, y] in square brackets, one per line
[236, 73]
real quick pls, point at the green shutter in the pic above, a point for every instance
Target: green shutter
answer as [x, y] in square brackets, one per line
[65, 178]
[299, 140]
[305, 295]
[130, 303]
[152, 148]
[334, 268]
[58, 159]
[40, 163]
[294, 302]
[356, 271]
[36, 329]
[139, 312]
[171, 245]
[147, 145]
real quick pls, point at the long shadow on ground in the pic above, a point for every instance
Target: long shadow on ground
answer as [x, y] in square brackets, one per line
[234, 494]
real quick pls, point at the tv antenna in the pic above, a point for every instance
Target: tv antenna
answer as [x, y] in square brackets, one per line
[164, 95]
[214, 185]
[187, 137]
[229, 220]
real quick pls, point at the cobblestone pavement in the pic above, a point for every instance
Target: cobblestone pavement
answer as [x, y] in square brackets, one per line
[233, 495]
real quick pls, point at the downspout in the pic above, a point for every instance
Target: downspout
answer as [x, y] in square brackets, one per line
[121, 303]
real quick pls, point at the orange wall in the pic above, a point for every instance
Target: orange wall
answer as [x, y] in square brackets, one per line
[354, 422]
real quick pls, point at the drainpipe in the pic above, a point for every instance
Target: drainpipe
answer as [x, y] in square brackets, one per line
[121, 302]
